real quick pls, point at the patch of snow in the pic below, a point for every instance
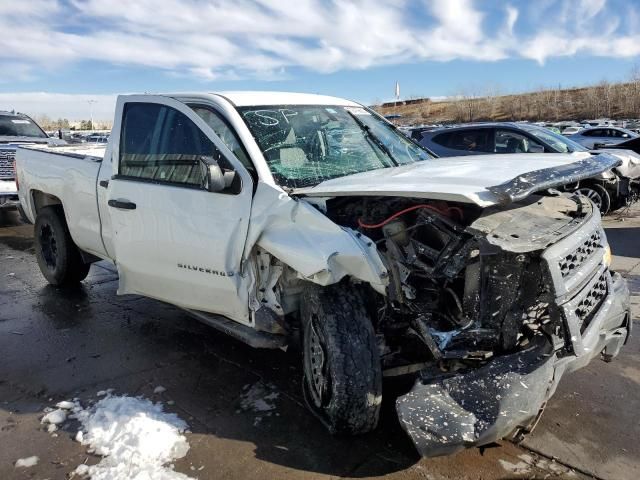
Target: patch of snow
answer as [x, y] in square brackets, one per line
[159, 389]
[526, 458]
[82, 470]
[519, 468]
[27, 462]
[55, 417]
[135, 438]
[65, 405]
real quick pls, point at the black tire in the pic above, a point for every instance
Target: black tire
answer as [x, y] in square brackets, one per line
[342, 373]
[598, 195]
[58, 257]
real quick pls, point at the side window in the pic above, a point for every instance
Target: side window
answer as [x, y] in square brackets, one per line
[472, 140]
[442, 139]
[594, 133]
[161, 144]
[508, 141]
[617, 133]
[226, 134]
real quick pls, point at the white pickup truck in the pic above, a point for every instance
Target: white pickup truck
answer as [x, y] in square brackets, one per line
[292, 219]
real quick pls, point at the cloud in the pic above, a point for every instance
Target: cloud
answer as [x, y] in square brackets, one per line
[264, 39]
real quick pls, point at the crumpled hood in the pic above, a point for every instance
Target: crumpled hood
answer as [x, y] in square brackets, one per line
[484, 180]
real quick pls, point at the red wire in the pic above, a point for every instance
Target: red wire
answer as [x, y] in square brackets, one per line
[402, 212]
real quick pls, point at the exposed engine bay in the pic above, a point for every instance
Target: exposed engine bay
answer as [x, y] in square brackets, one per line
[465, 283]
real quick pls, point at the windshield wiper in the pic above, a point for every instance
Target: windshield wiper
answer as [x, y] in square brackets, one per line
[370, 136]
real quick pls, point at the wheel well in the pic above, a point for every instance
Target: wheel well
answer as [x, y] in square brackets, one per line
[590, 182]
[42, 199]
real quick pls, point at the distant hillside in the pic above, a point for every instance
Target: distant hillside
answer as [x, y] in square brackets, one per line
[610, 100]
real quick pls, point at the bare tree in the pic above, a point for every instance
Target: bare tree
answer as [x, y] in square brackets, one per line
[614, 100]
[468, 105]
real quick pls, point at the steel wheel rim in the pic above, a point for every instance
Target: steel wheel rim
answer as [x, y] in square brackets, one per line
[316, 365]
[592, 195]
[48, 246]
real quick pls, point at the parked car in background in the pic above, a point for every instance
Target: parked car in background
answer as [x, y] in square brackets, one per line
[95, 138]
[552, 128]
[571, 130]
[287, 219]
[607, 135]
[632, 144]
[15, 129]
[608, 190]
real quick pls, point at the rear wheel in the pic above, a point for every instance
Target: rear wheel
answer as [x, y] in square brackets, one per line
[342, 374]
[598, 195]
[58, 257]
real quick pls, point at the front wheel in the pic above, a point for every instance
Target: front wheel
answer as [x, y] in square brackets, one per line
[598, 195]
[342, 373]
[58, 257]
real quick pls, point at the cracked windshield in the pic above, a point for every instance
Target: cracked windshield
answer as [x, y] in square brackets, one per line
[306, 145]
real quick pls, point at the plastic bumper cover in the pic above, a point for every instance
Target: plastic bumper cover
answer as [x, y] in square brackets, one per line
[480, 406]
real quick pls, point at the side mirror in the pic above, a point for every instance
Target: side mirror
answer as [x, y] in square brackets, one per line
[217, 179]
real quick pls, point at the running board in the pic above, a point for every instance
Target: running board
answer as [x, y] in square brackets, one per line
[240, 332]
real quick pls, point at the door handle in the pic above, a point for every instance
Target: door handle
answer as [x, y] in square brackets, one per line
[104, 183]
[123, 204]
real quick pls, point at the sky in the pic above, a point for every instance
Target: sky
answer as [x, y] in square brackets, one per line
[70, 58]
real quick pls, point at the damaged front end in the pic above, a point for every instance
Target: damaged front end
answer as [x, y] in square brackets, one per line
[487, 308]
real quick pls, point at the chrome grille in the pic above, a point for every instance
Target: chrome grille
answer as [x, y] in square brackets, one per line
[591, 301]
[6, 164]
[572, 262]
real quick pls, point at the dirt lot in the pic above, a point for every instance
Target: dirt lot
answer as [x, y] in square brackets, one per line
[56, 345]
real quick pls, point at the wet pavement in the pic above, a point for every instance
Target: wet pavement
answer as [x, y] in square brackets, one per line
[58, 344]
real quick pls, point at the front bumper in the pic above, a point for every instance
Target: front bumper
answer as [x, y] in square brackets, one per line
[448, 414]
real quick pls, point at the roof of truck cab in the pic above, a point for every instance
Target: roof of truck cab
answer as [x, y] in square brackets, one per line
[257, 98]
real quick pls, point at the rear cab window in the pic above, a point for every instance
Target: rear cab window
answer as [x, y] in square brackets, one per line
[471, 140]
[17, 126]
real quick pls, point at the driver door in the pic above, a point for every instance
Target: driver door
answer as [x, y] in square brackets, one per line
[174, 240]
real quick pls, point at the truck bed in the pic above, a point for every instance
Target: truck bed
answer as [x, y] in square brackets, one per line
[94, 152]
[65, 174]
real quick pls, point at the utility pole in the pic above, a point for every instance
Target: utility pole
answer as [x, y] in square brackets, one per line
[397, 97]
[91, 102]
